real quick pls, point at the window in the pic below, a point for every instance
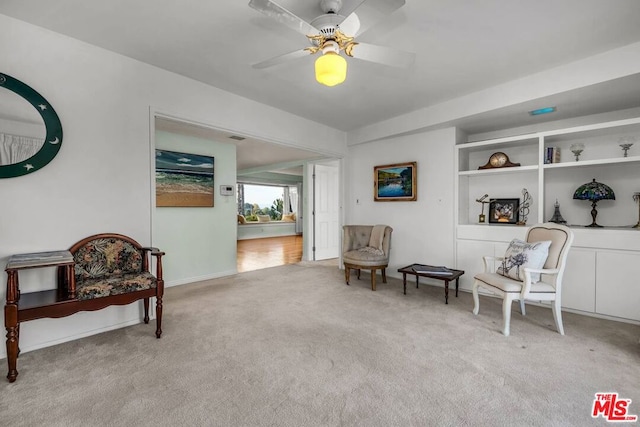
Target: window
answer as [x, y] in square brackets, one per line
[261, 199]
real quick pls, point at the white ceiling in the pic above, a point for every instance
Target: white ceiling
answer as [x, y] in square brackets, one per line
[461, 47]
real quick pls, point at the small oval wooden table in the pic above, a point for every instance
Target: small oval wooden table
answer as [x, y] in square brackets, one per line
[432, 272]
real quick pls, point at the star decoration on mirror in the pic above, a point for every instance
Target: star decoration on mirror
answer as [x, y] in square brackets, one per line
[42, 107]
[28, 166]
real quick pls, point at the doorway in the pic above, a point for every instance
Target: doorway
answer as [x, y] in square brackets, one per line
[199, 236]
[269, 221]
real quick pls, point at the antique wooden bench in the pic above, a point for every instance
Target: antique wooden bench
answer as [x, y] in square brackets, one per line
[97, 272]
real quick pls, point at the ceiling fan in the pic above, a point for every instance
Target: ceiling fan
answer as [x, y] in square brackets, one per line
[334, 31]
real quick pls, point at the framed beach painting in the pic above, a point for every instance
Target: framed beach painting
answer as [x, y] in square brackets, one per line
[395, 183]
[183, 179]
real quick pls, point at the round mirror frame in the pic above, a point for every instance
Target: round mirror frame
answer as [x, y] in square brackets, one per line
[53, 138]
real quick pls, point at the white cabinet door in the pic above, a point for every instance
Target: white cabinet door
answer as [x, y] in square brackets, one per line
[618, 284]
[469, 258]
[579, 282]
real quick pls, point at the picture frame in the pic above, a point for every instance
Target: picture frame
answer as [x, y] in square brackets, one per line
[395, 183]
[504, 211]
[183, 179]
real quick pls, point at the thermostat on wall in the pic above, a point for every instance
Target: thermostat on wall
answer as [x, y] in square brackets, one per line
[226, 190]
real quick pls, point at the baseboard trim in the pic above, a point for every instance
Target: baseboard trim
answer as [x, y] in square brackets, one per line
[85, 334]
[202, 278]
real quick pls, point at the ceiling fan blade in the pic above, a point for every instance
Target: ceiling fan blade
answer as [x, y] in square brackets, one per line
[383, 55]
[283, 16]
[372, 11]
[296, 54]
[350, 25]
[349, 6]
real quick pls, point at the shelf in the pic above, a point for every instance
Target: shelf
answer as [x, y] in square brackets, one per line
[622, 238]
[582, 163]
[499, 171]
[597, 129]
[546, 183]
[629, 228]
[597, 254]
[40, 299]
[39, 259]
[509, 141]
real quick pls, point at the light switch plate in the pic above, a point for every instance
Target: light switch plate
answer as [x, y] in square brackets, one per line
[226, 190]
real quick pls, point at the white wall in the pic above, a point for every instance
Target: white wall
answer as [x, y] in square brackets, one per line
[100, 180]
[200, 242]
[422, 230]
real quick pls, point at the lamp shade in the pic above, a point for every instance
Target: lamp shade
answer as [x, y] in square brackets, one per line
[331, 69]
[594, 191]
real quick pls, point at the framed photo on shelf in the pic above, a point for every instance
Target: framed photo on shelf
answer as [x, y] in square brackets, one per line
[504, 211]
[395, 183]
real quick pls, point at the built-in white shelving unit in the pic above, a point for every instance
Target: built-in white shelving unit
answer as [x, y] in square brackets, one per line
[603, 272]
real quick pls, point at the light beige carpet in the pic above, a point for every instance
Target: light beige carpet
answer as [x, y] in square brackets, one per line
[295, 346]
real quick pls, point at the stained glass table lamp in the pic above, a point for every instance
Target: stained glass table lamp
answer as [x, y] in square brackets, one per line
[594, 191]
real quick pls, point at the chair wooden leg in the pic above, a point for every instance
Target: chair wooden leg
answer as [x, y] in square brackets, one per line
[373, 279]
[384, 275]
[522, 311]
[12, 325]
[358, 274]
[146, 310]
[158, 316]
[506, 314]
[476, 300]
[557, 315]
[347, 271]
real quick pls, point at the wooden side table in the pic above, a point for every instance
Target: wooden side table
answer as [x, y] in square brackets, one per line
[26, 307]
[432, 272]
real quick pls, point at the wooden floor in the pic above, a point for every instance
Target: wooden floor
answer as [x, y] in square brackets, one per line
[254, 254]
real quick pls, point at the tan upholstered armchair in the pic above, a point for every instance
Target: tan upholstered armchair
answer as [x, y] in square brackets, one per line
[366, 247]
[516, 278]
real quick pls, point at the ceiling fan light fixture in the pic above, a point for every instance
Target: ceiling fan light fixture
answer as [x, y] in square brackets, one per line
[331, 68]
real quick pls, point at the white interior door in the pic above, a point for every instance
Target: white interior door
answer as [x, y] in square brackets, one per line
[326, 224]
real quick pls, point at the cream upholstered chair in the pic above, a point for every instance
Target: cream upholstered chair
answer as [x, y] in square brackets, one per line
[366, 247]
[548, 288]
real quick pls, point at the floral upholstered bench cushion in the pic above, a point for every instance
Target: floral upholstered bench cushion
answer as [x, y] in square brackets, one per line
[110, 266]
[114, 285]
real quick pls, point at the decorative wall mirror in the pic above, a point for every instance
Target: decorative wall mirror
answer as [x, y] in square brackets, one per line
[30, 130]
